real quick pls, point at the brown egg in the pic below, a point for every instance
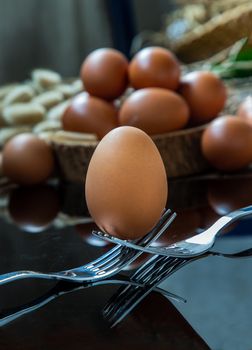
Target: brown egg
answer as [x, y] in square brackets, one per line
[245, 110]
[205, 94]
[227, 143]
[105, 73]
[126, 184]
[1, 164]
[154, 67]
[27, 160]
[154, 110]
[34, 208]
[90, 114]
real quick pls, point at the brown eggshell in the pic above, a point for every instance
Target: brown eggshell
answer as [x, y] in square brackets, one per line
[105, 73]
[90, 114]
[245, 110]
[126, 184]
[154, 67]
[205, 95]
[227, 143]
[34, 208]
[154, 110]
[27, 160]
[1, 164]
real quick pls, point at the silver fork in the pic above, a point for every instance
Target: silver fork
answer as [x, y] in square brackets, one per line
[151, 274]
[105, 266]
[154, 272]
[63, 288]
[189, 247]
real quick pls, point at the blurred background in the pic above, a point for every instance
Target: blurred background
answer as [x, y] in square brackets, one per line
[58, 34]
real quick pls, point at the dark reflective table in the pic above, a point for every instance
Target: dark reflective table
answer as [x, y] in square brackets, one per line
[47, 228]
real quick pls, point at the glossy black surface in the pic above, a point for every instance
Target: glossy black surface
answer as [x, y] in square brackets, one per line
[218, 290]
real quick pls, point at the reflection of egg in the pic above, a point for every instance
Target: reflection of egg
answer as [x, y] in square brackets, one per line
[1, 164]
[185, 225]
[85, 231]
[208, 216]
[27, 160]
[154, 110]
[154, 67]
[227, 195]
[126, 185]
[227, 143]
[105, 73]
[245, 110]
[90, 114]
[205, 94]
[34, 208]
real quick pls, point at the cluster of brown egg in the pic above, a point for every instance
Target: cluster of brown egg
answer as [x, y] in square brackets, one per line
[147, 92]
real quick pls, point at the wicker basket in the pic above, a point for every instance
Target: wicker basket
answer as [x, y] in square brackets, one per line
[217, 34]
[201, 29]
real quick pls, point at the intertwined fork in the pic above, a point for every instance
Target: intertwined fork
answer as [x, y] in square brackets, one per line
[105, 266]
[190, 247]
[116, 307]
[151, 274]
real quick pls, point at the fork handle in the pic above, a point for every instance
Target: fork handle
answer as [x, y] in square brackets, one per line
[20, 275]
[239, 213]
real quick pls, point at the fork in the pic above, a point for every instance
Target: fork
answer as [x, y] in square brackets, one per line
[105, 266]
[151, 274]
[190, 247]
[63, 288]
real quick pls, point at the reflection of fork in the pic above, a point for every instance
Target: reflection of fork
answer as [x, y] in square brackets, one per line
[105, 266]
[151, 274]
[189, 247]
[63, 288]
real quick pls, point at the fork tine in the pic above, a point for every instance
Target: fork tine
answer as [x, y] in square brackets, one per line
[148, 266]
[139, 245]
[135, 295]
[123, 312]
[104, 256]
[128, 255]
[142, 241]
[164, 217]
[106, 260]
[103, 259]
[119, 303]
